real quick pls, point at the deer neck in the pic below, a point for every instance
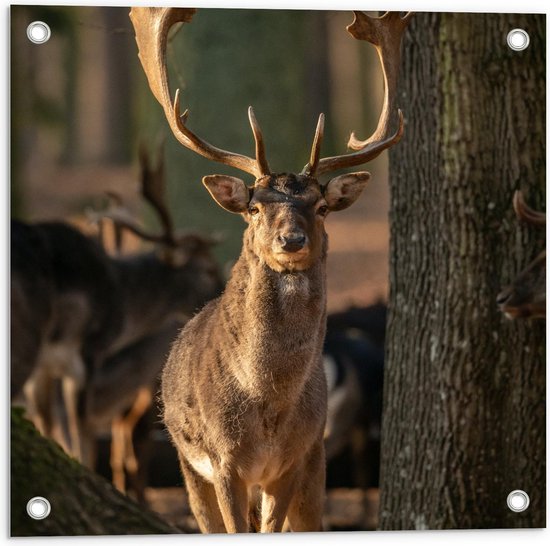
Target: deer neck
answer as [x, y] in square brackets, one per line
[284, 317]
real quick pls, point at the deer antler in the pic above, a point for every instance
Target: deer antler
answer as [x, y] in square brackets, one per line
[151, 27]
[153, 189]
[385, 34]
[123, 219]
[526, 213]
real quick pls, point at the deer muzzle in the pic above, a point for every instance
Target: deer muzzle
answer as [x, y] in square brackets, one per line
[292, 242]
[513, 305]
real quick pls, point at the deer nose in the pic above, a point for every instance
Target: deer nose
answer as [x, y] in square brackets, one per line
[292, 242]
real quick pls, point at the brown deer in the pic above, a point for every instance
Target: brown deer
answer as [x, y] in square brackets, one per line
[525, 297]
[244, 390]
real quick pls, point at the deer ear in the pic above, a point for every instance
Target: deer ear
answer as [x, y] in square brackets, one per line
[229, 192]
[343, 191]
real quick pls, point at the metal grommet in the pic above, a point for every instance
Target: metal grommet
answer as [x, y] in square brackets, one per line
[518, 39]
[38, 32]
[39, 508]
[518, 501]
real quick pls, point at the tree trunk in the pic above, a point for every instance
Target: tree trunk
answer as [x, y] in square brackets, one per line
[464, 414]
[82, 503]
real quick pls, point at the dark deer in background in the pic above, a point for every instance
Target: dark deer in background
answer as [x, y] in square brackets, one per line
[354, 365]
[31, 301]
[122, 396]
[172, 281]
[90, 306]
[69, 328]
[244, 390]
[525, 297]
[158, 292]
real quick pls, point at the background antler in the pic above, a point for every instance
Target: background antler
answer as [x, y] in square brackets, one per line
[385, 34]
[174, 246]
[122, 218]
[526, 213]
[151, 27]
[153, 189]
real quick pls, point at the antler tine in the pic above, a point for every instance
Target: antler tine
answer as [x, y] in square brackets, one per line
[526, 213]
[311, 168]
[151, 27]
[385, 34]
[261, 159]
[153, 189]
[360, 157]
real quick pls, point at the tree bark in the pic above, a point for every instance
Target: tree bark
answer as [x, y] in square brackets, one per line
[82, 503]
[464, 415]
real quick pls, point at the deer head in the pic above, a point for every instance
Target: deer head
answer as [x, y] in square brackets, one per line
[525, 297]
[285, 211]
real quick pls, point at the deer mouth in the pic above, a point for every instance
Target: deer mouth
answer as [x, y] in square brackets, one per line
[523, 311]
[293, 260]
[511, 312]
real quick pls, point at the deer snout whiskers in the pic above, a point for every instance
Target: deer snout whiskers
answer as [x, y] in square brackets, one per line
[292, 242]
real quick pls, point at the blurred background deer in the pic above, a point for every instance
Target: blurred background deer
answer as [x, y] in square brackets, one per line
[100, 305]
[162, 290]
[74, 290]
[525, 297]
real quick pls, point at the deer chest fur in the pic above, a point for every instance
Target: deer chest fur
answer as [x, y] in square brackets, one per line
[244, 385]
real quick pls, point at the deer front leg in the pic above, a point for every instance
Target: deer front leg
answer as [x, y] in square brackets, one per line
[202, 499]
[306, 507]
[232, 495]
[276, 499]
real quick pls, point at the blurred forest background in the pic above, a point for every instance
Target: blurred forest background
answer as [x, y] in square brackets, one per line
[81, 106]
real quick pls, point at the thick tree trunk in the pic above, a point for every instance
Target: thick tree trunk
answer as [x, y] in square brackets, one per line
[82, 503]
[464, 415]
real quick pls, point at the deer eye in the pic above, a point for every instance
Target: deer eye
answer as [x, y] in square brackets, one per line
[253, 210]
[322, 210]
